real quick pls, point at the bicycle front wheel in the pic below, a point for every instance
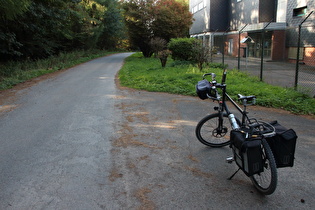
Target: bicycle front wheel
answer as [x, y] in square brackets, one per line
[266, 181]
[209, 133]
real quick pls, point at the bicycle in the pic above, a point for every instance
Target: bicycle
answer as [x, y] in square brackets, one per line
[222, 128]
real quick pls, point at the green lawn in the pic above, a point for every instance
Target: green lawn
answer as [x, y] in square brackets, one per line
[181, 78]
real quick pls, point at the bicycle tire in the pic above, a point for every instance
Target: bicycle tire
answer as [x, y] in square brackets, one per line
[207, 133]
[266, 181]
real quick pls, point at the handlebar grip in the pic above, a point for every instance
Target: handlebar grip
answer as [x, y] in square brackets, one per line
[212, 74]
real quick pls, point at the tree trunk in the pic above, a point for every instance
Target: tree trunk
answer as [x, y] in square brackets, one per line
[163, 61]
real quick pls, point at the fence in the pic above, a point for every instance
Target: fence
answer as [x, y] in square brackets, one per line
[284, 57]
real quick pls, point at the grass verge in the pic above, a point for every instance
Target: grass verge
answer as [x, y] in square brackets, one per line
[181, 78]
[12, 73]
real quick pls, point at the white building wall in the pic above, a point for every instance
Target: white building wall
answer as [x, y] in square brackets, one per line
[282, 10]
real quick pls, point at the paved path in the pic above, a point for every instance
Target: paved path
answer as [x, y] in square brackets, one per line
[76, 141]
[55, 146]
[170, 169]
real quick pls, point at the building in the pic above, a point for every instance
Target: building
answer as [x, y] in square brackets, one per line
[257, 26]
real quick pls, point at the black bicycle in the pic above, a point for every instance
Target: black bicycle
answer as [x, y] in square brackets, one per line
[247, 137]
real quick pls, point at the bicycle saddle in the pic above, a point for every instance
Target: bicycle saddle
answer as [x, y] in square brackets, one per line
[247, 100]
[241, 97]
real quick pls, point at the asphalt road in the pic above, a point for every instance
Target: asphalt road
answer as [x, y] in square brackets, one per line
[77, 141]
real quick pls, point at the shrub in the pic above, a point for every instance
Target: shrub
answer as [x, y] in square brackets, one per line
[201, 54]
[217, 65]
[182, 48]
[191, 49]
[162, 55]
[158, 44]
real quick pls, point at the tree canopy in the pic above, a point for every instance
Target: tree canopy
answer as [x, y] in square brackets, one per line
[146, 19]
[11, 9]
[40, 28]
[33, 29]
[172, 19]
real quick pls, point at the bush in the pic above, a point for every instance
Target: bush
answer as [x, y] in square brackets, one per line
[158, 44]
[201, 53]
[182, 48]
[217, 65]
[191, 49]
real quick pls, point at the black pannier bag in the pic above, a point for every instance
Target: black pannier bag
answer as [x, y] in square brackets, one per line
[283, 145]
[247, 153]
[203, 88]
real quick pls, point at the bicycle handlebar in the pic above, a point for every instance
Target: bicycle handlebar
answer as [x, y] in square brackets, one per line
[246, 100]
[213, 75]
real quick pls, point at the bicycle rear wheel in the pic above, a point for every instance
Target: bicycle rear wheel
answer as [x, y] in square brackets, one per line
[266, 181]
[209, 133]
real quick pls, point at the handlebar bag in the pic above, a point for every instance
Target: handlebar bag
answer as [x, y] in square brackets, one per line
[283, 145]
[203, 88]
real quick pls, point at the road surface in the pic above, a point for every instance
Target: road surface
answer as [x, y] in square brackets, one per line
[78, 141]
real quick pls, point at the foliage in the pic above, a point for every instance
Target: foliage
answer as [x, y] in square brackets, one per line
[172, 19]
[200, 53]
[158, 44]
[11, 9]
[182, 48]
[191, 49]
[138, 18]
[15, 72]
[111, 32]
[217, 65]
[147, 74]
[39, 29]
[146, 19]
[162, 55]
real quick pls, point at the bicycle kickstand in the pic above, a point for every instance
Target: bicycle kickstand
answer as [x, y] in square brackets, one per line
[234, 174]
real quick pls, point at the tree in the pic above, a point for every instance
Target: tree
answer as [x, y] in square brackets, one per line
[11, 9]
[112, 26]
[172, 19]
[138, 20]
[158, 44]
[146, 19]
[32, 29]
[48, 27]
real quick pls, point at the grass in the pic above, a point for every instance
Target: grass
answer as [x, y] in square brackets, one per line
[181, 78]
[177, 77]
[13, 73]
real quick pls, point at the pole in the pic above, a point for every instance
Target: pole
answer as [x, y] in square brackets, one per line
[239, 47]
[223, 45]
[298, 52]
[262, 51]
[297, 59]
[212, 46]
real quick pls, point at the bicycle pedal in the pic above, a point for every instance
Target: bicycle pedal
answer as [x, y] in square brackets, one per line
[229, 160]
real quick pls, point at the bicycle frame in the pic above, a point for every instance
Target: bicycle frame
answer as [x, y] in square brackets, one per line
[257, 160]
[223, 108]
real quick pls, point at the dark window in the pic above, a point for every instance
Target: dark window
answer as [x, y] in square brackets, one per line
[297, 12]
[267, 11]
